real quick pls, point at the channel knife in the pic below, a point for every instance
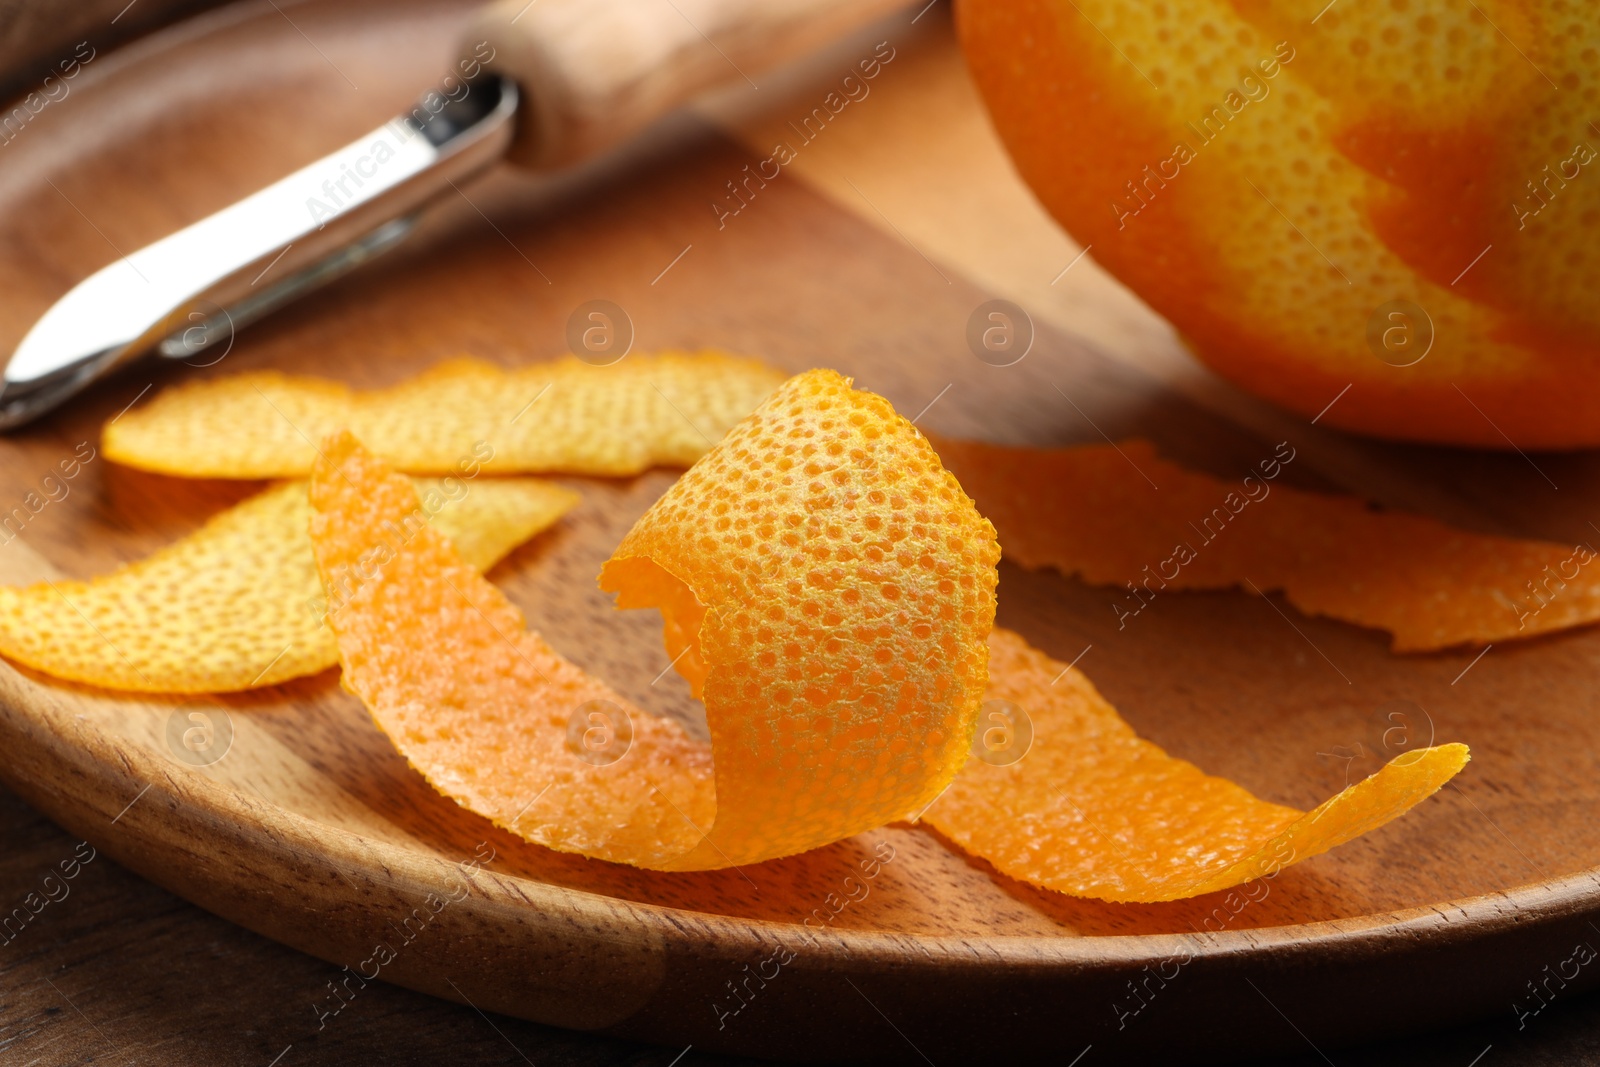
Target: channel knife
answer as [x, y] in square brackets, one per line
[545, 84]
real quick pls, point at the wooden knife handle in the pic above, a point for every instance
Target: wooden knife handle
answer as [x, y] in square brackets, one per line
[594, 72]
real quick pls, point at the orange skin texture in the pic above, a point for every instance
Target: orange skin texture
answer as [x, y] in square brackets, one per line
[834, 607]
[1430, 585]
[1094, 810]
[826, 587]
[1372, 156]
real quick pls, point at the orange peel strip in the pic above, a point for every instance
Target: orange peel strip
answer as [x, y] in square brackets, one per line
[559, 416]
[238, 603]
[1093, 810]
[1087, 512]
[830, 588]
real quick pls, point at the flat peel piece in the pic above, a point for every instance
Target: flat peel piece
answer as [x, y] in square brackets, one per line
[1089, 512]
[1095, 811]
[565, 415]
[830, 588]
[238, 603]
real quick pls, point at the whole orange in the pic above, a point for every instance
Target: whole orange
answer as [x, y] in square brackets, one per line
[1388, 206]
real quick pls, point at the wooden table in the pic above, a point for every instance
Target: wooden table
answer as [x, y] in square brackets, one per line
[122, 971]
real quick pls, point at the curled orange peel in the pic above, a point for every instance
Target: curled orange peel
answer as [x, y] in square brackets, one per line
[565, 415]
[830, 588]
[1091, 512]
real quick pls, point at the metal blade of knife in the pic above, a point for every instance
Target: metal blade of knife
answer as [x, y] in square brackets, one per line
[187, 291]
[561, 81]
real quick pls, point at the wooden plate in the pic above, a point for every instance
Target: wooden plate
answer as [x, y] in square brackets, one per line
[313, 831]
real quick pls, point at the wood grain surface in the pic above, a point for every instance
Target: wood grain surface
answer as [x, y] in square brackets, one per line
[312, 831]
